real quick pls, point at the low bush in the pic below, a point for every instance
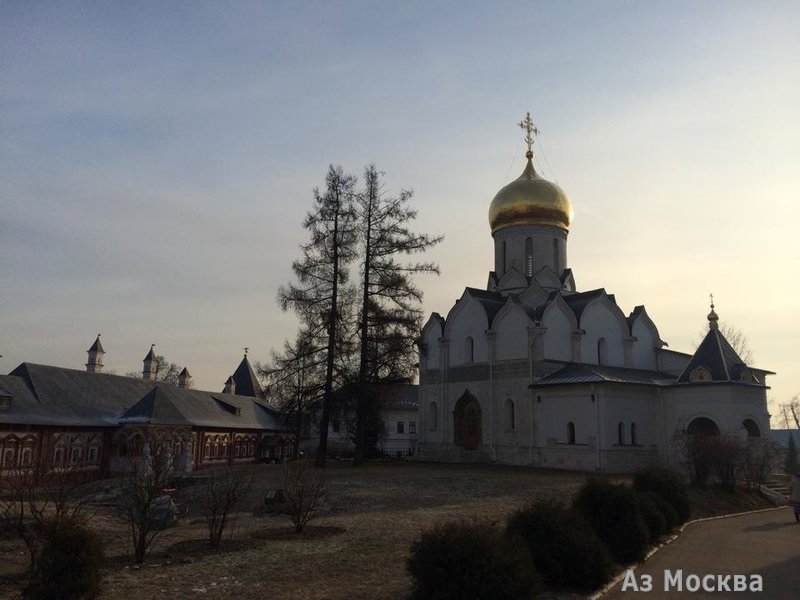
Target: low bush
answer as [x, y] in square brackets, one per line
[563, 546]
[69, 564]
[613, 512]
[667, 484]
[671, 518]
[470, 560]
[653, 518]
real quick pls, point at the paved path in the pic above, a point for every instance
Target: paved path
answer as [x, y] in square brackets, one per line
[765, 543]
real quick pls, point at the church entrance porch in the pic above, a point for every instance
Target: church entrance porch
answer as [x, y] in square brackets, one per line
[467, 422]
[702, 426]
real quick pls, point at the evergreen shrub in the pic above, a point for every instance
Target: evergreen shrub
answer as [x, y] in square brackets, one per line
[667, 484]
[69, 565]
[667, 511]
[613, 512]
[470, 560]
[563, 546]
[652, 515]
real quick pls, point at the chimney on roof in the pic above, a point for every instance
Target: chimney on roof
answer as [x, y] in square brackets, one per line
[150, 364]
[184, 379]
[230, 386]
[96, 352]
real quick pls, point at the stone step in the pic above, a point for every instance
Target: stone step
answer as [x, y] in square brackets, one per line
[777, 486]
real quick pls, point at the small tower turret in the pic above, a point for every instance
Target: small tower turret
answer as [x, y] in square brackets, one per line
[713, 318]
[96, 353]
[184, 379]
[150, 364]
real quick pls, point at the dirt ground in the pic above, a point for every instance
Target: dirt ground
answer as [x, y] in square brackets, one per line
[356, 549]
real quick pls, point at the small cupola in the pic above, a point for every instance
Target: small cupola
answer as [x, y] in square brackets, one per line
[96, 353]
[150, 369]
[184, 379]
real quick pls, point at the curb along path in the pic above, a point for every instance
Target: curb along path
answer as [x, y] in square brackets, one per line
[765, 543]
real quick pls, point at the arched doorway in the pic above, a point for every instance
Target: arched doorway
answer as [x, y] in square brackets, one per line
[702, 426]
[467, 422]
[752, 428]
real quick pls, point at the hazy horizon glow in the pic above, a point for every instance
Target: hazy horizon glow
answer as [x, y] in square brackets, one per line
[158, 159]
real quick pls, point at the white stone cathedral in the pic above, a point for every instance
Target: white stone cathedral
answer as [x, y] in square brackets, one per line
[531, 371]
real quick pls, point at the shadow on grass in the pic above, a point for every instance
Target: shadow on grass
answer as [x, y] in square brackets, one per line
[310, 532]
[184, 551]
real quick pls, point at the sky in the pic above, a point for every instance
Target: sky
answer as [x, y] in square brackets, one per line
[157, 160]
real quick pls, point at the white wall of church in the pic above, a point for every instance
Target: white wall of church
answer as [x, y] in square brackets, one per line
[468, 322]
[429, 411]
[728, 405]
[599, 322]
[644, 349]
[558, 337]
[512, 334]
[672, 362]
[511, 434]
[430, 338]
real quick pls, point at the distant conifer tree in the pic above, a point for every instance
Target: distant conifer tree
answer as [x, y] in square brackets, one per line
[320, 296]
[390, 313]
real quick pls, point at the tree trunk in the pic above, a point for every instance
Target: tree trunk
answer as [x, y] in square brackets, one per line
[322, 450]
[361, 388]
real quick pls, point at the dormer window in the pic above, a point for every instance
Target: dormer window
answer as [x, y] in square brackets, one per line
[700, 374]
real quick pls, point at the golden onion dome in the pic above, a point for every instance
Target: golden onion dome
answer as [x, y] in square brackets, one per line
[530, 200]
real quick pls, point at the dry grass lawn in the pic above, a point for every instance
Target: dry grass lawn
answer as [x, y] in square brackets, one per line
[356, 549]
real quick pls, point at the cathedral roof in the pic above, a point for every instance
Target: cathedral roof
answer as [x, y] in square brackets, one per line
[578, 373]
[492, 302]
[578, 302]
[530, 200]
[716, 360]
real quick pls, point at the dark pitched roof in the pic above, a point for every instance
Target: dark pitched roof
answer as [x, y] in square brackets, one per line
[717, 356]
[246, 380]
[97, 346]
[577, 373]
[156, 406]
[398, 396]
[394, 395]
[578, 302]
[539, 312]
[631, 318]
[45, 395]
[151, 355]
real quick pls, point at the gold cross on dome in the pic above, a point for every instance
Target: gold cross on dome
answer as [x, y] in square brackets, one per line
[529, 128]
